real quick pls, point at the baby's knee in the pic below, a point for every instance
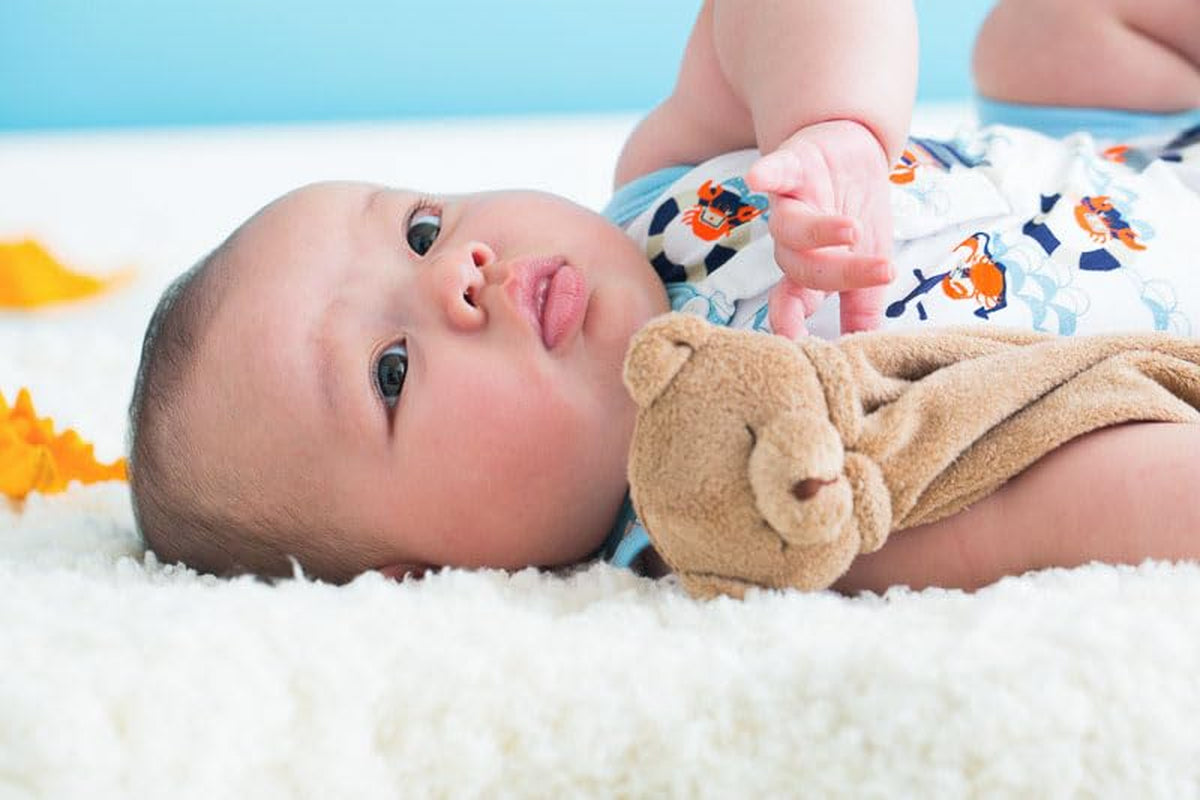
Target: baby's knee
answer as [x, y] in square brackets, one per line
[1011, 53]
[1063, 52]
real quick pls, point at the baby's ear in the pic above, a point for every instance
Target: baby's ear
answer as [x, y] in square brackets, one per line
[659, 351]
[398, 572]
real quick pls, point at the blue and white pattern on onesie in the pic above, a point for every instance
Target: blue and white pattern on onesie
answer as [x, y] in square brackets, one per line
[1093, 236]
[996, 226]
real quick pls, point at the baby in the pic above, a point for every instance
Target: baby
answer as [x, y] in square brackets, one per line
[368, 378]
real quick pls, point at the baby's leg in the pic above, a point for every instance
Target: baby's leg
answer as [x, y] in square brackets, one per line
[1119, 495]
[1134, 54]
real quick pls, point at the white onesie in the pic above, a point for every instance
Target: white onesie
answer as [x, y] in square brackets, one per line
[998, 225]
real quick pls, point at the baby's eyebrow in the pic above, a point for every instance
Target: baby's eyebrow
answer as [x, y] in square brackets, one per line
[326, 358]
[346, 405]
[369, 201]
[324, 355]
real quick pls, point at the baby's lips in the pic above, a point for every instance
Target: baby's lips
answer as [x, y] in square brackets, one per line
[550, 293]
[522, 283]
[566, 302]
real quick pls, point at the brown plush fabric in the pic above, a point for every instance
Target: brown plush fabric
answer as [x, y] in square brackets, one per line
[760, 461]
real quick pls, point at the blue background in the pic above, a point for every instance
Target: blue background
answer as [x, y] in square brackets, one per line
[83, 63]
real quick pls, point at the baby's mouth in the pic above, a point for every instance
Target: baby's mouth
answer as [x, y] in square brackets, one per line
[539, 299]
[552, 295]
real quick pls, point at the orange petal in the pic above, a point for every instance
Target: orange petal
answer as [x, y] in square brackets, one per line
[33, 458]
[31, 277]
[25, 468]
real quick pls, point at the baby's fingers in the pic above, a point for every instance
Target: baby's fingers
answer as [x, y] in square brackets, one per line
[795, 226]
[789, 305]
[797, 169]
[780, 172]
[862, 309]
[833, 270]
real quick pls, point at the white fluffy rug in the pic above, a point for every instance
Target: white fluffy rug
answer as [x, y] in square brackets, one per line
[122, 677]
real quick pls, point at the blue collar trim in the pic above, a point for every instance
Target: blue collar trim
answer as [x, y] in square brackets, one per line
[627, 539]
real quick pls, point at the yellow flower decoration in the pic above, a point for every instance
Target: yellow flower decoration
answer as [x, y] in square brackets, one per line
[34, 459]
[31, 277]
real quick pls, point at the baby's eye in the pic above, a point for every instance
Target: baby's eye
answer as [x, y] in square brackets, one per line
[423, 229]
[390, 371]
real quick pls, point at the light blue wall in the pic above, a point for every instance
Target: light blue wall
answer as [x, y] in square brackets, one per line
[947, 29]
[101, 63]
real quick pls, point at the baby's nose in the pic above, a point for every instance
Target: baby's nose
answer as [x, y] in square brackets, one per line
[481, 254]
[460, 279]
[478, 258]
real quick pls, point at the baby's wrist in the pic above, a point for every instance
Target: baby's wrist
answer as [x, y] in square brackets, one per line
[840, 135]
[843, 126]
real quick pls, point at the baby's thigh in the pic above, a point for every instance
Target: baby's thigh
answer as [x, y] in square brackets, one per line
[1118, 495]
[1134, 54]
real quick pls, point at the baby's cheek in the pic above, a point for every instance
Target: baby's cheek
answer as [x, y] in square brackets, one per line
[490, 403]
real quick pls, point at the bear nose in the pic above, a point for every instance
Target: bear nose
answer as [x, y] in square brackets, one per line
[807, 489]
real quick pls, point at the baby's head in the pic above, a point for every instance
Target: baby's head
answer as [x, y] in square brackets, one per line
[365, 378]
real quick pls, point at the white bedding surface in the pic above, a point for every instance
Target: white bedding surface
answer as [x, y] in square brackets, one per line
[121, 677]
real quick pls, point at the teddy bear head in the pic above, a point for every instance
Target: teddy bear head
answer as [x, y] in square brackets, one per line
[739, 464]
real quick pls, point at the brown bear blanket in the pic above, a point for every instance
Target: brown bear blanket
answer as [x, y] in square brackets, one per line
[761, 461]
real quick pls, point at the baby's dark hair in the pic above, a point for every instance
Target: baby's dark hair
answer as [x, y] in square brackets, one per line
[187, 509]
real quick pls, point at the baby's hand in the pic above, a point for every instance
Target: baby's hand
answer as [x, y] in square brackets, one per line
[831, 218]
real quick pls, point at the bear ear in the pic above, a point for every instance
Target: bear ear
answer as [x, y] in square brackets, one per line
[659, 351]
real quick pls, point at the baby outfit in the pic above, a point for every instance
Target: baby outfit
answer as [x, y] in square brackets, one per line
[998, 225]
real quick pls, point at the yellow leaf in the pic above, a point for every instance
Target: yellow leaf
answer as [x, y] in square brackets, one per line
[31, 277]
[34, 459]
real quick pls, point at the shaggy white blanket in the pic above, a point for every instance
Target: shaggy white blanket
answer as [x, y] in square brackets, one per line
[123, 677]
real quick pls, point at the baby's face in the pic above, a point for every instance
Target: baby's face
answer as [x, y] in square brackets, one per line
[441, 376]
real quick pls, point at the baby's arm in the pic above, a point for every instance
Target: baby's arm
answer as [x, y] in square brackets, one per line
[754, 73]
[825, 89]
[1119, 495]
